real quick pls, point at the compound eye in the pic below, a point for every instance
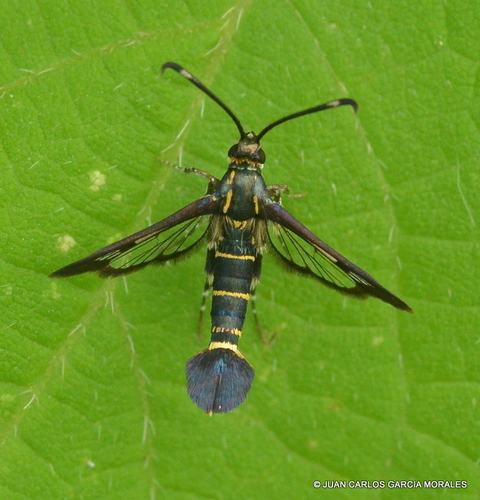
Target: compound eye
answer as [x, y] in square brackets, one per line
[261, 156]
[233, 150]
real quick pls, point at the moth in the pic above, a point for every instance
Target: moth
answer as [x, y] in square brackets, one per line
[239, 218]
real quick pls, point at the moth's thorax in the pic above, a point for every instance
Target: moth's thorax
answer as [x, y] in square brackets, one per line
[240, 190]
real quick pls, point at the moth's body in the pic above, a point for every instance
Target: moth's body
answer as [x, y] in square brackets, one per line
[219, 377]
[245, 217]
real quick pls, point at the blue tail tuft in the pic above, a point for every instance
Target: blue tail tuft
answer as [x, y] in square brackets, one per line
[218, 380]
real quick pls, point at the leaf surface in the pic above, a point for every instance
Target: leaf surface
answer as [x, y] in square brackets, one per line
[92, 386]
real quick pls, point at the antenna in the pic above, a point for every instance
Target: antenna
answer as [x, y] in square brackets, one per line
[332, 104]
[328, 105]
[186, 74]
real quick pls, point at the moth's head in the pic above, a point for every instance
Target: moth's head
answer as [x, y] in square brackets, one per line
[247, 149]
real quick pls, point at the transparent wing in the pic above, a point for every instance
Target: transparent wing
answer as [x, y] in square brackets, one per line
[304, 258]
[169, 240]
[157, 248]
[301, 251]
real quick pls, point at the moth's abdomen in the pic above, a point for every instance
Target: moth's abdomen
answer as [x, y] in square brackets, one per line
[219, 377]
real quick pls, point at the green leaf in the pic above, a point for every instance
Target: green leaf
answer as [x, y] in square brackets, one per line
[92, 386]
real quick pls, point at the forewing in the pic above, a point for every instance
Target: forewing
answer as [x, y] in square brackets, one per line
[301, 251]
[172, 238]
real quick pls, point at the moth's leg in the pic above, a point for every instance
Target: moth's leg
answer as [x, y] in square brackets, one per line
[253, 300]
[213, 181]
[205, 294]
[209, 269]
[268, 340]
[258, 326]
[275, 191]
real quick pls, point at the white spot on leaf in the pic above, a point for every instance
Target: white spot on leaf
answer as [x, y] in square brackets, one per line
[65, 243]
[97, 179]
